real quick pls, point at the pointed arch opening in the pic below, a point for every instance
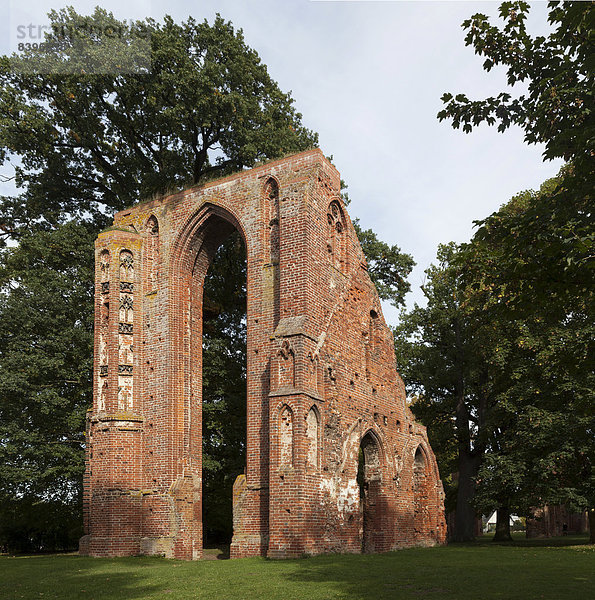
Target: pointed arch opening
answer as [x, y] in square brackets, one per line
[336, 236]
[369, 478]
[272, 240]
[286, 447]
[210, 287]
[223, 387]
[421, 494]
[313, 439]
[152, 270]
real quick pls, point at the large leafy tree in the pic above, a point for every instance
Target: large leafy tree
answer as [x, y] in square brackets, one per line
[545, 448]
[89, 126]
[531, 262]
[45, 384]
[504, 368]
[89, 144]
[556, 110]
[557, 107]
[443, 353]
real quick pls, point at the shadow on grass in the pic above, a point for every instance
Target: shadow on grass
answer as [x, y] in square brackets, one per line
[543, 569]
[521, 541]
[520, 570]
[75, 577]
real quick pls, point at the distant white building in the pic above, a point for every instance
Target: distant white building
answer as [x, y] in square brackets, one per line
[490, 524]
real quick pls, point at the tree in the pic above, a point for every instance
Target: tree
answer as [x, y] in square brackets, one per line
[505, 370]
[557, 109]
[388, 266]
[545, 452]
[443, 354]
[91, 144]
[46, 328]
[535, 256]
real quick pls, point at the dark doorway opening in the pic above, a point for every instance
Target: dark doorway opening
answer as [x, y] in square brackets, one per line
[421, 496]
[223, 391]
[369, 481]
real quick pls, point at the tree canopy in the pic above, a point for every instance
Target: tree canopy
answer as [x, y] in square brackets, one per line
[520, 293]
[557, 109]
[99, 142]
[501, 372]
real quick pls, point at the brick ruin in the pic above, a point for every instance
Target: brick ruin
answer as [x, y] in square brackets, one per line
[322, 385]
[555, 520]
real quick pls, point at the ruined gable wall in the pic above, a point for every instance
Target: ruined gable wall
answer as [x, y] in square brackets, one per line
[321, 374]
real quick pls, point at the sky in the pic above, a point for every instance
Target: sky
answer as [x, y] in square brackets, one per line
[368, 77]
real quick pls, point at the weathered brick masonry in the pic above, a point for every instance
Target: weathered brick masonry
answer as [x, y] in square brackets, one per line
[322, 382]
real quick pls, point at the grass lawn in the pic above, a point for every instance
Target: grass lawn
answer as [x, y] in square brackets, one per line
[553, 569]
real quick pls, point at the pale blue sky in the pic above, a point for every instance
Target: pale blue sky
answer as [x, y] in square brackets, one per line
[368, 77]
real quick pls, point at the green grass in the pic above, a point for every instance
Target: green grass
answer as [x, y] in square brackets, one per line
[552, 569]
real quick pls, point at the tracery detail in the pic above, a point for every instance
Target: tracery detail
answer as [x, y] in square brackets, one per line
[126, 331]
[152, 253]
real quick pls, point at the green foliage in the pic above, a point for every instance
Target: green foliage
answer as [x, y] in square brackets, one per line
[224, 385]
[46, 328]
[524, 269]
[500, 359]
[97, 142]
[387, 265]
[557, 109]
[521, 289]
[34, 525]
[443, 354]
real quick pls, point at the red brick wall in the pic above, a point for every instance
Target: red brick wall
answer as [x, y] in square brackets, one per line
[321, 375]
[556, 520]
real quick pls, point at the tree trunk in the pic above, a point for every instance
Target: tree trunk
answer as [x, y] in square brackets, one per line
[503, 525]
[464, 530]
[591, 512]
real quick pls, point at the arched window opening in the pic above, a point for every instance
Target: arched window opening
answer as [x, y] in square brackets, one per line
[104, 265]
[103, 329]
[369, 477]
[220, 334]
[271, 196]
[312, 436]
[286, 437]
[421, 495]
[152, 230]
[125, 332]
[272, 208]
[370, 341]
[336, 244]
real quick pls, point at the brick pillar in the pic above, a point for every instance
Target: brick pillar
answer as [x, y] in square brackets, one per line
[294, 462]
[113, 476]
